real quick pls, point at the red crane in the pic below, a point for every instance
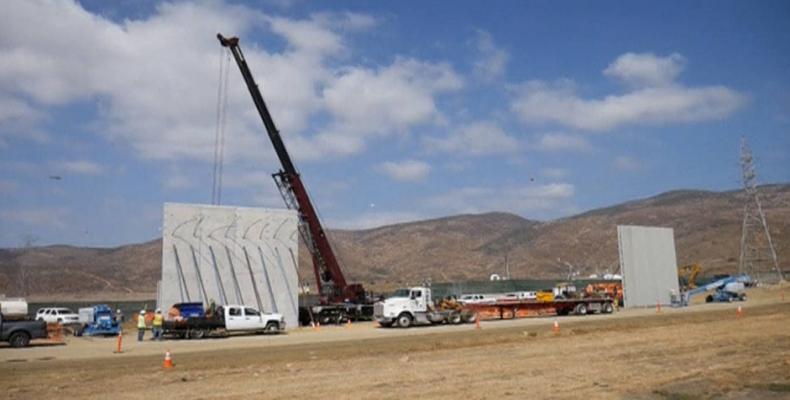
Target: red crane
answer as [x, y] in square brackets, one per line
[332, 285]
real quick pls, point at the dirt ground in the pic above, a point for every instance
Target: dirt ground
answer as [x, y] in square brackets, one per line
[704, 351]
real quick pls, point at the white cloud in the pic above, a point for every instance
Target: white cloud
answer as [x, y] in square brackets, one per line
[646, 69]
[406, 170]
[176, 179]
[384, 101]
[476, 139]
[548, 199]
[156, 78]
[492, 60]
[661, 103]
[627, 163]
[79, 167]
[563, 142]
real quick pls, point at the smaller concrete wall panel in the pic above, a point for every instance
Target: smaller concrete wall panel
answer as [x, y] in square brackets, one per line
[649, 265]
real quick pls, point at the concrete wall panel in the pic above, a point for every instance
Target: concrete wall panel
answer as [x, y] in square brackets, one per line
[232, 255]
[649, 265]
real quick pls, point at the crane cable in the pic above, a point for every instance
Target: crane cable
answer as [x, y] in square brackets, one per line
[219, 138]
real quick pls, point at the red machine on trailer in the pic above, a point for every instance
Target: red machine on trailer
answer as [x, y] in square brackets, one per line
[339, 300]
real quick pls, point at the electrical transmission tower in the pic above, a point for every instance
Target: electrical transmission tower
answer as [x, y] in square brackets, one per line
[758, 256]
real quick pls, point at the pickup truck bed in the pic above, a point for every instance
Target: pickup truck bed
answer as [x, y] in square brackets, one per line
[20, 333]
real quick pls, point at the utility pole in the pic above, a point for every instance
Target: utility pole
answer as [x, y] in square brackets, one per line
[756, 241]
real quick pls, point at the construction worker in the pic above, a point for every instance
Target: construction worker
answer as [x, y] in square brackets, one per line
[141, 325]
[157, 324]
[119, 316]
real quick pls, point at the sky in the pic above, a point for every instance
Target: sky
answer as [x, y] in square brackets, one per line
[392, 111]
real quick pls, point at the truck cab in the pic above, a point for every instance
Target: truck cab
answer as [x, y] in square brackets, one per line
[401, 307]
[239, 318]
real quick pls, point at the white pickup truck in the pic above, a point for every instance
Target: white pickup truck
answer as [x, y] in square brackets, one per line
[194, 323]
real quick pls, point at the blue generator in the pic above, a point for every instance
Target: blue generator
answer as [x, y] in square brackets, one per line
[99, 321]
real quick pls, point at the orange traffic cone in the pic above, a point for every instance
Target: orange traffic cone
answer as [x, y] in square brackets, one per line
[348, 324]
[658, 306]
[118, 344]
[168, 360]
[556, 328]
[477, 321]
[739, 312]
[317, 326]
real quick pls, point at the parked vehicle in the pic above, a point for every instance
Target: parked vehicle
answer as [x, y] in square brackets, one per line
[192, 321]
[414, 306]
[474, 298]
[519, 296]
[98, 320]
[60, 315]
[15, 327]
[731, 288]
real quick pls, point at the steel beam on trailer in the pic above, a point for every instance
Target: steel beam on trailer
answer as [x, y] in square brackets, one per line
[268, 281]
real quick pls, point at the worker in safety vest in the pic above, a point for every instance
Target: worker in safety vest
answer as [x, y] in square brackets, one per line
[141, 326]
[157, 324]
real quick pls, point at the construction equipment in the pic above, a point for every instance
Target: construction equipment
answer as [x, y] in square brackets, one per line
[687, 275]
[339, 300]
[415, 306]
[726, 290]
[98, 320]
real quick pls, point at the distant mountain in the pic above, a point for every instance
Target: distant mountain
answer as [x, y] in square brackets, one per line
[707, 229]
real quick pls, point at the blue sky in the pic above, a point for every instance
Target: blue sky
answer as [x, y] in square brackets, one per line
[393, 111]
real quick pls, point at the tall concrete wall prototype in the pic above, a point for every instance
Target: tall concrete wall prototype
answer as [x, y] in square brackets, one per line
[232, 255]
[649, 265]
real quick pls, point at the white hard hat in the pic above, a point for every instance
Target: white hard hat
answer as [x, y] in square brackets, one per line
[142, 311]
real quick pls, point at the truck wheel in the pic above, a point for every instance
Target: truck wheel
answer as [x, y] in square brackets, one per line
[455, 319]
[581, 309]
[471, 318]
[271, 327]
[709, 299]
[742, 297]
[404, 320]
[19, 339]
[197, 334]
[607, 308]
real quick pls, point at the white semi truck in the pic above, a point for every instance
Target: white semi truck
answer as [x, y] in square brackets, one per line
[414, 306]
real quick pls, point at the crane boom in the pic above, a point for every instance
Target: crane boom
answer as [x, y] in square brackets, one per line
[331, 283]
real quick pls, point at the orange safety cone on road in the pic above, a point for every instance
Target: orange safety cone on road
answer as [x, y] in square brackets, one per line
[556, 327]
[658, 306]
[739, 312]
[348, 324]
[118, 344]
[317, 326]
[168, 360]
[477, 321]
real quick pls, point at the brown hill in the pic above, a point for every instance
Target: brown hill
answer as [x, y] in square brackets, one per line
[707, 229]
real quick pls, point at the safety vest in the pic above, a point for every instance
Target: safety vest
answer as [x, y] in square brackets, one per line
[141, 321]
[158, 319]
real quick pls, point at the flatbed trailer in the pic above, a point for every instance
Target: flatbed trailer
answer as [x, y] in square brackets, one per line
[511, 309]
